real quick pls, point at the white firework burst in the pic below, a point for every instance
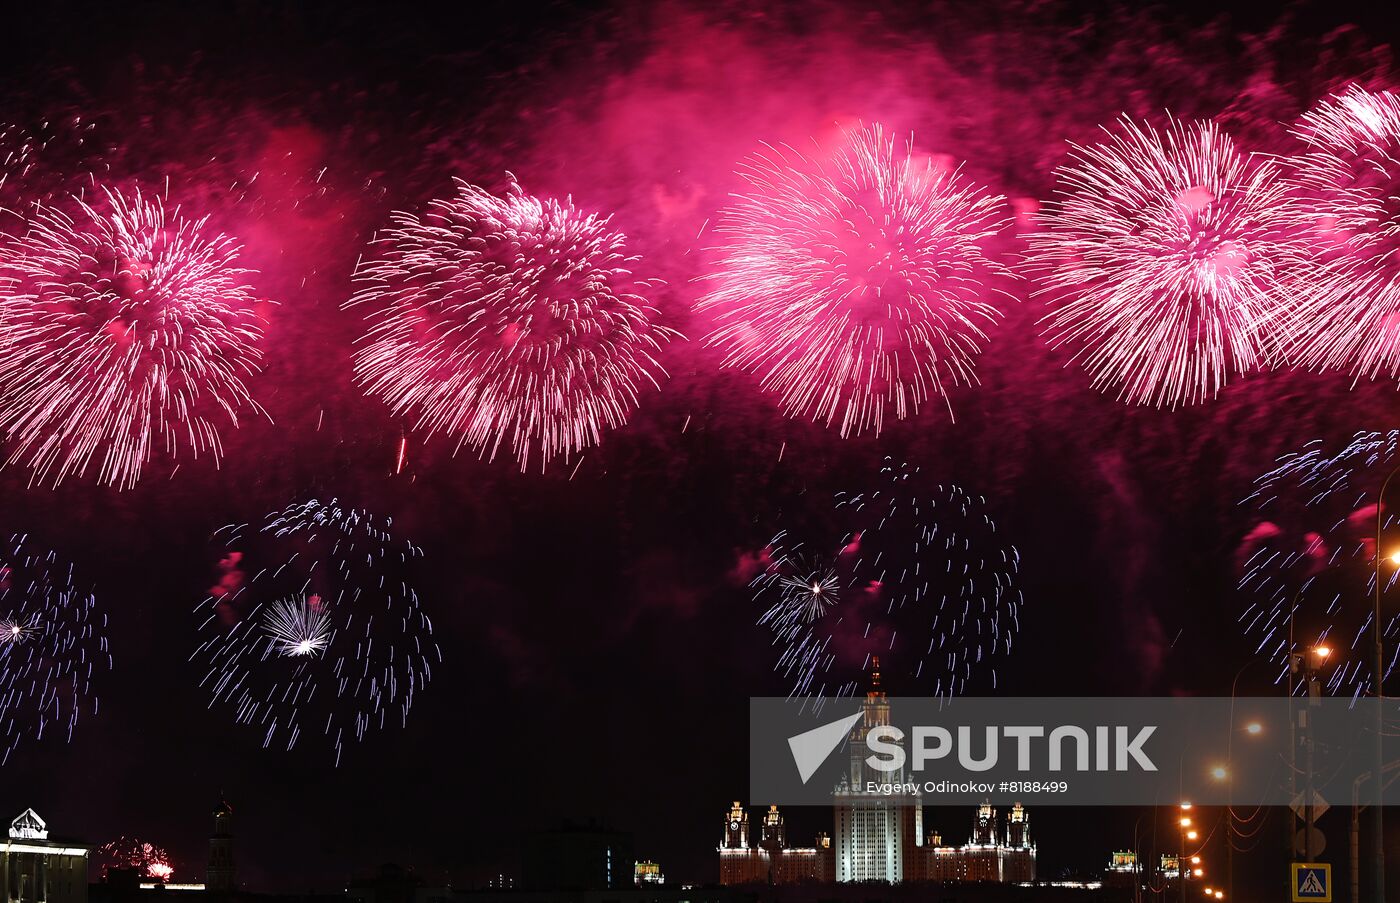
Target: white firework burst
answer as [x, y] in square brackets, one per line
[15, 631]
[298, 626]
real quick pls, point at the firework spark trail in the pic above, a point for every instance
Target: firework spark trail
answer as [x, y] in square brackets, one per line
[1165, 260]
[1347, 184]
[924, 580]
[315, 626]
[53, 645]
[128, 329]
[855, 283]
[38, 159]
[1312, 556]
[508, 321]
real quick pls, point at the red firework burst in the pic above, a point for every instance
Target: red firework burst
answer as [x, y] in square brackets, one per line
[127, 328]
[854, 282]
[1347, 183]
[508, 320]
[1164, 260]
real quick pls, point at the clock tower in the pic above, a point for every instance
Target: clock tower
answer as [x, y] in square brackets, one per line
[736, 828]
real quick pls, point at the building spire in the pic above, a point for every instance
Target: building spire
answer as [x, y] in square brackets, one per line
[875, 677]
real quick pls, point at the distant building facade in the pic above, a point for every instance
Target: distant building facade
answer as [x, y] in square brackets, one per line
[37, 869]
[587, 857]
[647, 872]
[395, 884]
[770, 860]
[878, 838]
[220, 876]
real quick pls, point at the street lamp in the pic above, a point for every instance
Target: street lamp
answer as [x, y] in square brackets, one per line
[1219, 772]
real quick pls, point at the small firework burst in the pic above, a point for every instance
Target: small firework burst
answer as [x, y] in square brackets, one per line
[854, 283]
[314, 624]
[1347, 185]
[146, 859]
[53, 645]
[1165, 260]
[510, 321]
[920, 577]
[805, 590]
[1309, 563]
[129, 330]
[299, 626]
[18, 630]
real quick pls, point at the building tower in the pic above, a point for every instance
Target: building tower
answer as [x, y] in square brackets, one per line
[877, 839]
[219, 875]
[984, 826]
[736, 828]
[1018, 828]
[774, 834]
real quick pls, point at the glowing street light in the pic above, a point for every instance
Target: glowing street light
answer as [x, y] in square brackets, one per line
[1186, 822]
[1219, 772]
[1254, 727]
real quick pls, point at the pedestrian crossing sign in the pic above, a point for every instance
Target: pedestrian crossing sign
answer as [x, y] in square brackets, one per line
[1312, 881]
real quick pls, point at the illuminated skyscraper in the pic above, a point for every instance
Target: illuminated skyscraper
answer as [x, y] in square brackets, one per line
[876, 839]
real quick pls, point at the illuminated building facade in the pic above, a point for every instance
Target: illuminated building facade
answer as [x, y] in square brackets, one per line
[648, 872]
[996, 852]
[35, 869]
[879, 838]
[771, 860]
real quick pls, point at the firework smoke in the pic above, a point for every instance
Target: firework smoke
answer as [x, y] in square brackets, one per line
[314, 626]
[513, 320]
[128, 330]
[854, 282]
[1165, 259]
[53, 643]
[922, 579]
[1347, 183]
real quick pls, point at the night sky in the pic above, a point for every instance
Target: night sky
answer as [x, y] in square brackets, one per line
[597, 615]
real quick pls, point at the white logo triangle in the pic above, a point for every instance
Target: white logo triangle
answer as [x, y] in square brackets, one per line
[810, 749]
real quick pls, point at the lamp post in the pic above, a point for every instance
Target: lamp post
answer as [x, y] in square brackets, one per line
[1254, 728]
[1378, 636]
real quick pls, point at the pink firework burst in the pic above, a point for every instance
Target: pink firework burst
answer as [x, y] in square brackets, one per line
[1347, 184]
[146, 859]
[1164, 259]
[127, 329]
[854, 282]
[508, 320]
